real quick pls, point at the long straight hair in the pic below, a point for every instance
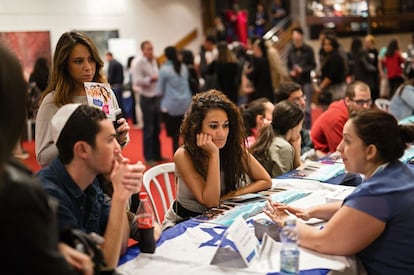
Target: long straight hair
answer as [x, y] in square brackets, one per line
[60, 79]
[171, 54]
[286, 115]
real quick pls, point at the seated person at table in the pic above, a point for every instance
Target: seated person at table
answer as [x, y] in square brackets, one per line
[278, 145]
[213, 164]
[402, 102]
[28, 231]
[376, 220]
[256, 114]
[87, 146]
[293, 92]
[326, 132]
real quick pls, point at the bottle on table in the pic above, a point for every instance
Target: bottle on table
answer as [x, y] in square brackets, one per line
[289, 254]
[145, 224]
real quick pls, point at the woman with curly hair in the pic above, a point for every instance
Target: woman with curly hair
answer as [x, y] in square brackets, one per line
[213, 164]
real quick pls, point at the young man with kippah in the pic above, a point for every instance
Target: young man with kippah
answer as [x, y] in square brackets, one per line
[87, 146]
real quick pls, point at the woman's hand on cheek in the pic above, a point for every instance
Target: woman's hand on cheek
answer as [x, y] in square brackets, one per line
[205, 142]
[295, 140]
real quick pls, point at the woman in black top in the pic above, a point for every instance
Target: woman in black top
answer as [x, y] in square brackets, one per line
[333, 70]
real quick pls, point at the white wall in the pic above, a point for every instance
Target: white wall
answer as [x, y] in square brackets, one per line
[164, 22]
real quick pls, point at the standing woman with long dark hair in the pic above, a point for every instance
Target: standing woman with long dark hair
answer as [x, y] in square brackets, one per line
[332, 86]
[40, 73]
[174, 89]
[259, 72]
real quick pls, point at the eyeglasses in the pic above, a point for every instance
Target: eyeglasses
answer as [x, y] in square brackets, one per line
[362, 102]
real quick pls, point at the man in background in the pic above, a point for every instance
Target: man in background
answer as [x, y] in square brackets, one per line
[300, 62]
[116, 79]
[326, 131]
[144, 74]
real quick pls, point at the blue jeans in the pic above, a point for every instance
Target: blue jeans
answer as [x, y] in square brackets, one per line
[151, 115]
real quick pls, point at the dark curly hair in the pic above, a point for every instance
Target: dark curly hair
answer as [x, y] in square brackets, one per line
[234, 149]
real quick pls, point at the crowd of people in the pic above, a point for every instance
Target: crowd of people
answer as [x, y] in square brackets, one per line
[238, 116]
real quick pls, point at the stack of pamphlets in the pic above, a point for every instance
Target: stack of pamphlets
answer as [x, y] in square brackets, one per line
[319, 170]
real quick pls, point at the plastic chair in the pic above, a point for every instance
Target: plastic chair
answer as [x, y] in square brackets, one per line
[159, 182]
[382, 104]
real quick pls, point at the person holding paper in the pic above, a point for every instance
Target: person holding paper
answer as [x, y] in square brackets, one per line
[76, 60]
[278, 146]
[213, 164]
[376, 220]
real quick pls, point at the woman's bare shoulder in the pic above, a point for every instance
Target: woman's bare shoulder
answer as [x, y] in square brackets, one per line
[181, 155]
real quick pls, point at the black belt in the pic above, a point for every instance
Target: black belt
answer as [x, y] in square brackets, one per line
[184, 212]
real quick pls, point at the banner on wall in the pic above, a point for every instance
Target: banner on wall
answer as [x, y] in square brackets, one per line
[28, 46]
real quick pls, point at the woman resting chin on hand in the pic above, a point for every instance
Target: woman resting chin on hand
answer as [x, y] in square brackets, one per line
[213, 163]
